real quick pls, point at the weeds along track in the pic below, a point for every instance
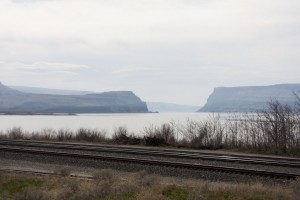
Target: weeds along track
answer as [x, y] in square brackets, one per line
[44, 173]
[20, 147]
[249, 159]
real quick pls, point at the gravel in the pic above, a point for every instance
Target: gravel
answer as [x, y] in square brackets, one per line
[197, 161]
[26, 160]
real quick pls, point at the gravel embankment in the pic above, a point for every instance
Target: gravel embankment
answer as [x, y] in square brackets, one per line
[87, 165]
[197, 161]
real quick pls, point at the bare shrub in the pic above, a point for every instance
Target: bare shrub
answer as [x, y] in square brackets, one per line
[207, 133]
[16, 133]
[64, 135]
[121, 136]
[278, 124]
[157, 136]
[46, 134]
[90, 135]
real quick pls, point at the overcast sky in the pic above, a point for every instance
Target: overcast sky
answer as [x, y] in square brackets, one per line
[163, 50]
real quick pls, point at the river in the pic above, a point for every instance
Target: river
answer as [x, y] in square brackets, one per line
[133, 122]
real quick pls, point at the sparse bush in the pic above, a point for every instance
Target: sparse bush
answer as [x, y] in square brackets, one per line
[46, 134]
[121, 136]
[90, 135]
[158, 136]
[16, 133]
[64, 135]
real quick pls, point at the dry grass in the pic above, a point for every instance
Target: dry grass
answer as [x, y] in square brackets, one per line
[142, 186]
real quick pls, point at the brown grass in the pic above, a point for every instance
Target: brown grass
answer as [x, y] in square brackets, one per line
[141, 186]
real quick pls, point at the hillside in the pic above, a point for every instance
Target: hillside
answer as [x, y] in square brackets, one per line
[248, 99]
[152, 106]
[13, 101]
[37, 90]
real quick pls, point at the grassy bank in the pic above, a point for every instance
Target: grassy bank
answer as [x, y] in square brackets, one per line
[142, 186]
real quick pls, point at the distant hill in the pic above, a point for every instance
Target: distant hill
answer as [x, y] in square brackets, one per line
[152, 106]
[248, 99]
[37, 90]
[170, 107]
[14, 101]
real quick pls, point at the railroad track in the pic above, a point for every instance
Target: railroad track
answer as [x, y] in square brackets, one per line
[250, 159]
[252, 172]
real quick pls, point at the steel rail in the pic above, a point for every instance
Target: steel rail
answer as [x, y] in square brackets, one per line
[272, 174]
[187, 155]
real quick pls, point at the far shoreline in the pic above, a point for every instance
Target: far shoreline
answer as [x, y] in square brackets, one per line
[64, 114]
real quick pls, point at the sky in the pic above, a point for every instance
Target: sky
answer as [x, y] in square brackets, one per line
[174, 51]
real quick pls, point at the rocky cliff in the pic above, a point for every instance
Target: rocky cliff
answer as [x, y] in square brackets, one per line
[248, 99]
[13, 101]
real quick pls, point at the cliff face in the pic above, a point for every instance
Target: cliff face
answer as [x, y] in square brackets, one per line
[13, 101]
[249, 99]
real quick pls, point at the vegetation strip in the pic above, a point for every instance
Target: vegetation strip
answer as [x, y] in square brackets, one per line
[271, 174]
[106, 184]
[43, 173]
[189, 155]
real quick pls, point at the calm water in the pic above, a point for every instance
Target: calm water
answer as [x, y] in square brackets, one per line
[108, 122]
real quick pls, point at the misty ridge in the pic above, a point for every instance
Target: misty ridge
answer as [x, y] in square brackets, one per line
[152, 106]
[20, 99]
[251, 98]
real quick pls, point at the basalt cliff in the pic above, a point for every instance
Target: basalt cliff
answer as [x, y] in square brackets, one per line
[249, 99]
[16, 102]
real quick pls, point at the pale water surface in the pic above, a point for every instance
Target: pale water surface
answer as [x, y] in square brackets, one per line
[134, 122]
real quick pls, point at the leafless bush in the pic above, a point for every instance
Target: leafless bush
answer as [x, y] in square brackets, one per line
[121, 136]
[156, 136]
[278, 123]
[207, 133]
[16, 133]
[64, 135]
[46, 134]
[90, 135]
